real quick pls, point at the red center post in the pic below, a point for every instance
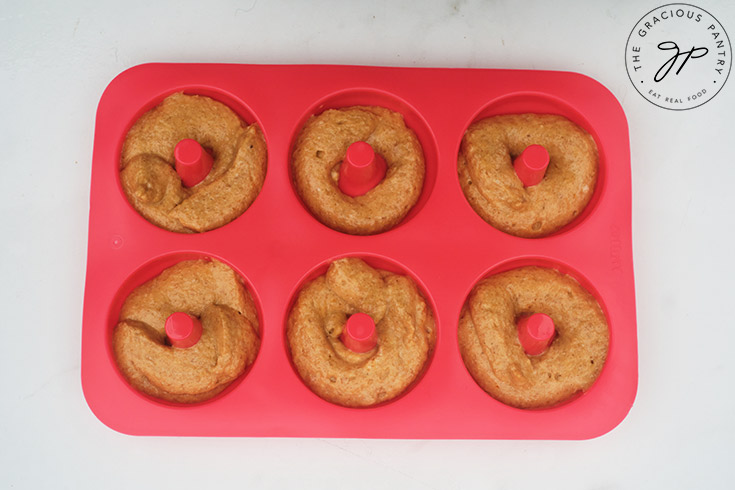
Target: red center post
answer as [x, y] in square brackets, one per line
[193, 163]
[359, 334]
[361, 170]
[530, 166]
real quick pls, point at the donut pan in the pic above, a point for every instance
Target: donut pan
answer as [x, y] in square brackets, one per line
[276, 246]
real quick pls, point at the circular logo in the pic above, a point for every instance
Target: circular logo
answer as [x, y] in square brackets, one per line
[678, 56]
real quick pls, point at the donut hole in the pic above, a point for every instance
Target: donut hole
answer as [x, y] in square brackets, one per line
[149, 270]
[525, 314]
[375, 97]
[583, 281]
[543, 103]
[377, 262]
[237, 105]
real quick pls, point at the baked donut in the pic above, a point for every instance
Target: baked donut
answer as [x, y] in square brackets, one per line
[229, 343]
[318, 154]
[403, 320]
[488, 337]
[495, 192]
[152, 185]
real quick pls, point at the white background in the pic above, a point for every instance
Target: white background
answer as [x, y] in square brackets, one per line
[55, 61]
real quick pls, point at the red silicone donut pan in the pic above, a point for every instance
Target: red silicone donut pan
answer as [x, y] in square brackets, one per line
[276, 246]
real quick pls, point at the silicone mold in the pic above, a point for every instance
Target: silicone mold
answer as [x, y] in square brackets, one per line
[276, 246]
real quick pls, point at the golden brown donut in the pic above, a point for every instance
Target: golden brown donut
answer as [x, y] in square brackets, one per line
[404, 324]
[229, 343]
[318, 154]
[488, 337]
[490, 184]
[152, 185]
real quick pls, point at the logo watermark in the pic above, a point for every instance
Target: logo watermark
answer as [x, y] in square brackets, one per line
[678, 56]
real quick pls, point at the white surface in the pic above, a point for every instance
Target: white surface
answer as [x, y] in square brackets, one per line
[55, 61]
